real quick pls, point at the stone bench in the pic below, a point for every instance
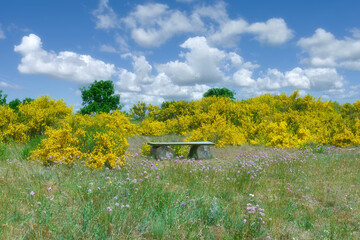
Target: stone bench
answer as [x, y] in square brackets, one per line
[198, 150]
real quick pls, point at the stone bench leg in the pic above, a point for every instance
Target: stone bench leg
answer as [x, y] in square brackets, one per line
[200, 152]
[161, 152]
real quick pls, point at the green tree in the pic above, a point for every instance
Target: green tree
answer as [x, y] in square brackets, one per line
[220, 92]
[99, 97]
[27, 100]
[14, 104]
[2, 98]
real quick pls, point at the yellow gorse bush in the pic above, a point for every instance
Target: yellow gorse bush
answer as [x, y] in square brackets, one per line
[280, 120]
[31, 119]
[11, 129]
[43, 112]
[60, 145]
[98, 141]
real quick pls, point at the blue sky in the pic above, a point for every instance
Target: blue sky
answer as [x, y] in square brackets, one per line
[176, 50]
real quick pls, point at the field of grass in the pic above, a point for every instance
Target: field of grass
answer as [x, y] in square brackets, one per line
[245, 192]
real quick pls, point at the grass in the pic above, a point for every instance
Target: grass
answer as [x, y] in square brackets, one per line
[246, 192]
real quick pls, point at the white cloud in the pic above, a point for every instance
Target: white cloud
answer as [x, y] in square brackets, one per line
[9, 86]
[215, 13]
[2, 34]
[154, 23]
[141, 85]
[325, 50]
[297, 79]
[66, 65]
[316, 79]
[105, 16]
[243, 78]
[107, 48]
[273, 31]
[122, 43]
[355, 32]
[229, 32]
[202, 64]
[272, 80]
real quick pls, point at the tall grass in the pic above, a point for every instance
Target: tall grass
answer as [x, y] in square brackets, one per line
[260, 193]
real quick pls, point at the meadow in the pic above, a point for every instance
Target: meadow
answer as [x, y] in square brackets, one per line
[245, 192]
[284, 167]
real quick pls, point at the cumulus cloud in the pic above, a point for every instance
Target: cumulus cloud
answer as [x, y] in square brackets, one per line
[324, 50]
[141, 84]
[272, 80]
[325, 80]
[316, 79]
[273, 31]
[153, 24]
[202, 63]
[243, 78]
[105, 16]
[65, 65]
[229, 32]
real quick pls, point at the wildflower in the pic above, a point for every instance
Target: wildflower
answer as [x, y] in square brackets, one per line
[109, 209]
[89, 191]
[49, 188]
[244, 221]
[127, 206]
[32, 193]
[39, 203]
[134, 181]
[183, 204]
[115, 198]
[117, 204]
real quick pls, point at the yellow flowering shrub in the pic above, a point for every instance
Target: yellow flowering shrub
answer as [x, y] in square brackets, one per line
[15, 132]
[10, 127]
[98, 141]
[60, 145]
[272, 120]
[145, 149]
[219, 131]
[109, 151]
[141, 110]
[153, 128]
[43, 112]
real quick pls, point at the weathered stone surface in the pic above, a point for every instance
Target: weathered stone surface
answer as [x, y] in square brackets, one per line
[161, 152]
[200, 152]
